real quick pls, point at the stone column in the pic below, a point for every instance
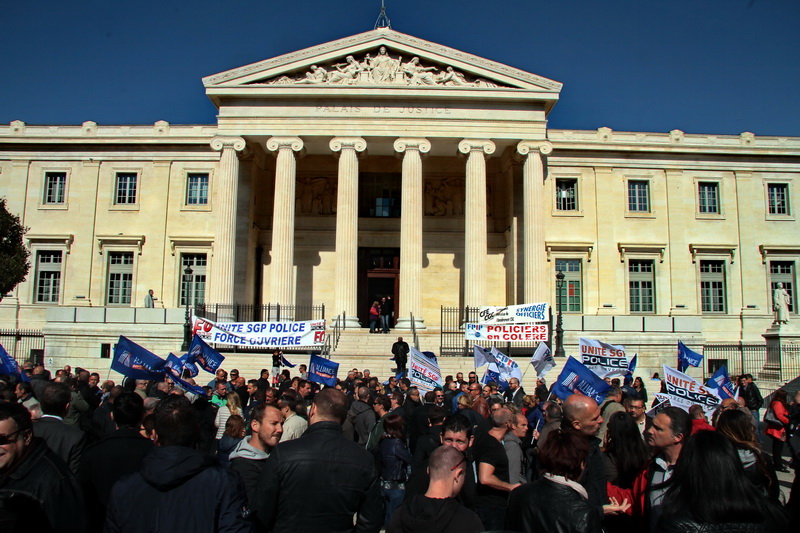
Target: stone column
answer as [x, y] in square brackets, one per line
[346, 301]
[535, 271]
[282, 267]
[410, 299]
[475, 247]
[226, 188]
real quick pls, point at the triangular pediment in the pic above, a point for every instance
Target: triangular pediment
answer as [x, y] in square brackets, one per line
[382, 58]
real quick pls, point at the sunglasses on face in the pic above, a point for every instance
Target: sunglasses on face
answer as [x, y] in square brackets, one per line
[8, 439]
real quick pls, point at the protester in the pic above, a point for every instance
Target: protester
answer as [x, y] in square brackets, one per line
[233, 435]
[640, 389]
[400, 354]
[394, 460]
[360, 418]
[582, 414]
[173, 475]
[635, 407]
[557, 501]
[437, 511]
[293, 424]
[710, 490]
[38, 493]
[738, 427]
[749, 392]
[66, 441]
[116, 456]
[493, 473]
[624, 452]
[249, 457]
[512, 442]
[777, 430]
[611, 405]
[335, 475]
[231, 407]
[699, 420]
[514, 393]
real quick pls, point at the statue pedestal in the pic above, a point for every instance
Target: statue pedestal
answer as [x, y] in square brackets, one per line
[778, 336]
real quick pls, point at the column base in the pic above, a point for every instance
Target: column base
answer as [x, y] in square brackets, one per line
[405, 323]
[349, 322]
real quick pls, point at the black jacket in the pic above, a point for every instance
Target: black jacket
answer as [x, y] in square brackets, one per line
[170, 478]
[420, 514]
[105, 463]
[360, 421]
[684, 522]
[547, 506]
[66, 441]
[317, 483]
[40, 495]
[394, 458]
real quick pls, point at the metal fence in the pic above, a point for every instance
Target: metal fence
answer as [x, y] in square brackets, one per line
[453, 343]
[23, 344]
[752, 358]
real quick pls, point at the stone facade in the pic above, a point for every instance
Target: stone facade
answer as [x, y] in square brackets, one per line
[282, 201]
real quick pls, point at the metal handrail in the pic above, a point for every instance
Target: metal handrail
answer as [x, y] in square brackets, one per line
[414, 332]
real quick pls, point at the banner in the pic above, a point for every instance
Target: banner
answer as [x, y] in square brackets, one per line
[722, 384]
[660, 403]
[266, 334]
[204, 355]
[684, 391]
[514, 314]
[423, 371]
[506, 332]
[10, 367]
[576, 378]
[542, 360]
[482, 355]
[687, 357]
[135, 362]
[174, 367]
[605, 360]
[321, 370]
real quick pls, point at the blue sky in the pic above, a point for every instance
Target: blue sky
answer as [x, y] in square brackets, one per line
[702, 66]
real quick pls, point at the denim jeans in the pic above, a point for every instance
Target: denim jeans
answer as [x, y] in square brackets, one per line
[393, 499]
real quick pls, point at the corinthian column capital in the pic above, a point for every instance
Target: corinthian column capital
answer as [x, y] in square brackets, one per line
[484, 146]
[526, 147]
[236, 143]
[412, 143]
[275, 144]
[338, 144]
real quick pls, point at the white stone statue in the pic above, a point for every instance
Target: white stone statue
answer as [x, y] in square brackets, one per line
[780, 304]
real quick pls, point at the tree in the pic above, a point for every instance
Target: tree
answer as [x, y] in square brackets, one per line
[14, 264]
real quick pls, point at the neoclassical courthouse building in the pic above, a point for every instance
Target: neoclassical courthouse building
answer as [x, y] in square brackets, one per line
[383, 164]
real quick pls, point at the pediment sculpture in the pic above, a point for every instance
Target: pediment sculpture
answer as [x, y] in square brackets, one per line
[382, 69]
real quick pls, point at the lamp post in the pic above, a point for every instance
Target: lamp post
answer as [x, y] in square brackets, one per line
[559, 327]
[187, 326]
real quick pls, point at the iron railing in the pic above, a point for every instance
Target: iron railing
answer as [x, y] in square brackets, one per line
[260, 313]
[23, 344]
[752, 358]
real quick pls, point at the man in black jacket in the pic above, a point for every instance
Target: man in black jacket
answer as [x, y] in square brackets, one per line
[117, 456]
[319, 481]
[37, 491]
[173, 475]
[251, 454]
[66, 441]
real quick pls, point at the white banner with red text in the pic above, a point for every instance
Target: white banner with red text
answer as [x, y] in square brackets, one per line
[506, 332]
[264, 334]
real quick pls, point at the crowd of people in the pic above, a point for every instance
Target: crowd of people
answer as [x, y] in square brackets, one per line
[281, 453]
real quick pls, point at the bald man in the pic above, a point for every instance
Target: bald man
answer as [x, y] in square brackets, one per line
[582, 414]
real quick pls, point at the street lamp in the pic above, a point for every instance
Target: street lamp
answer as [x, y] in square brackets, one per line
[187, 326]
[559, 326]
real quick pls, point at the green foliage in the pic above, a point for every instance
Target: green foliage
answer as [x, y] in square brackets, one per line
[14, 264]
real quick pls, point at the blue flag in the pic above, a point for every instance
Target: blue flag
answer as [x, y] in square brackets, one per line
[721, 383]
[204, 355]
[687, 357]
[285, 362]
[321, 370]
[10, 367]
[174, 367]
[631, 366]
[493, 373]
[135, 362]
[576, 378]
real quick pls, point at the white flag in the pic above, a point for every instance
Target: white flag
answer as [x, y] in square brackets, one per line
[542, 360]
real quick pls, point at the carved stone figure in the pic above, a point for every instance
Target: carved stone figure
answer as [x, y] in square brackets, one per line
[346, 73]
[315, 76]
[417, 74]
[780, 304]
[384, 68]
[315, 196]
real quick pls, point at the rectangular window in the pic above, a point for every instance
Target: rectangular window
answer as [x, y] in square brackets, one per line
[641, 285]
[55, 187]
[48, 277]
[194, 285]
[708, 197]
[782, 272]
[712, 286]
[570, 296]
[778, 196]
[120, 278]
[197, 189]
[639, 196]
[379, 196]
[567, 194]
[126, 188]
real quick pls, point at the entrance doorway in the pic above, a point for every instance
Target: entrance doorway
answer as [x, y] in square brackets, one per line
[379, 276]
